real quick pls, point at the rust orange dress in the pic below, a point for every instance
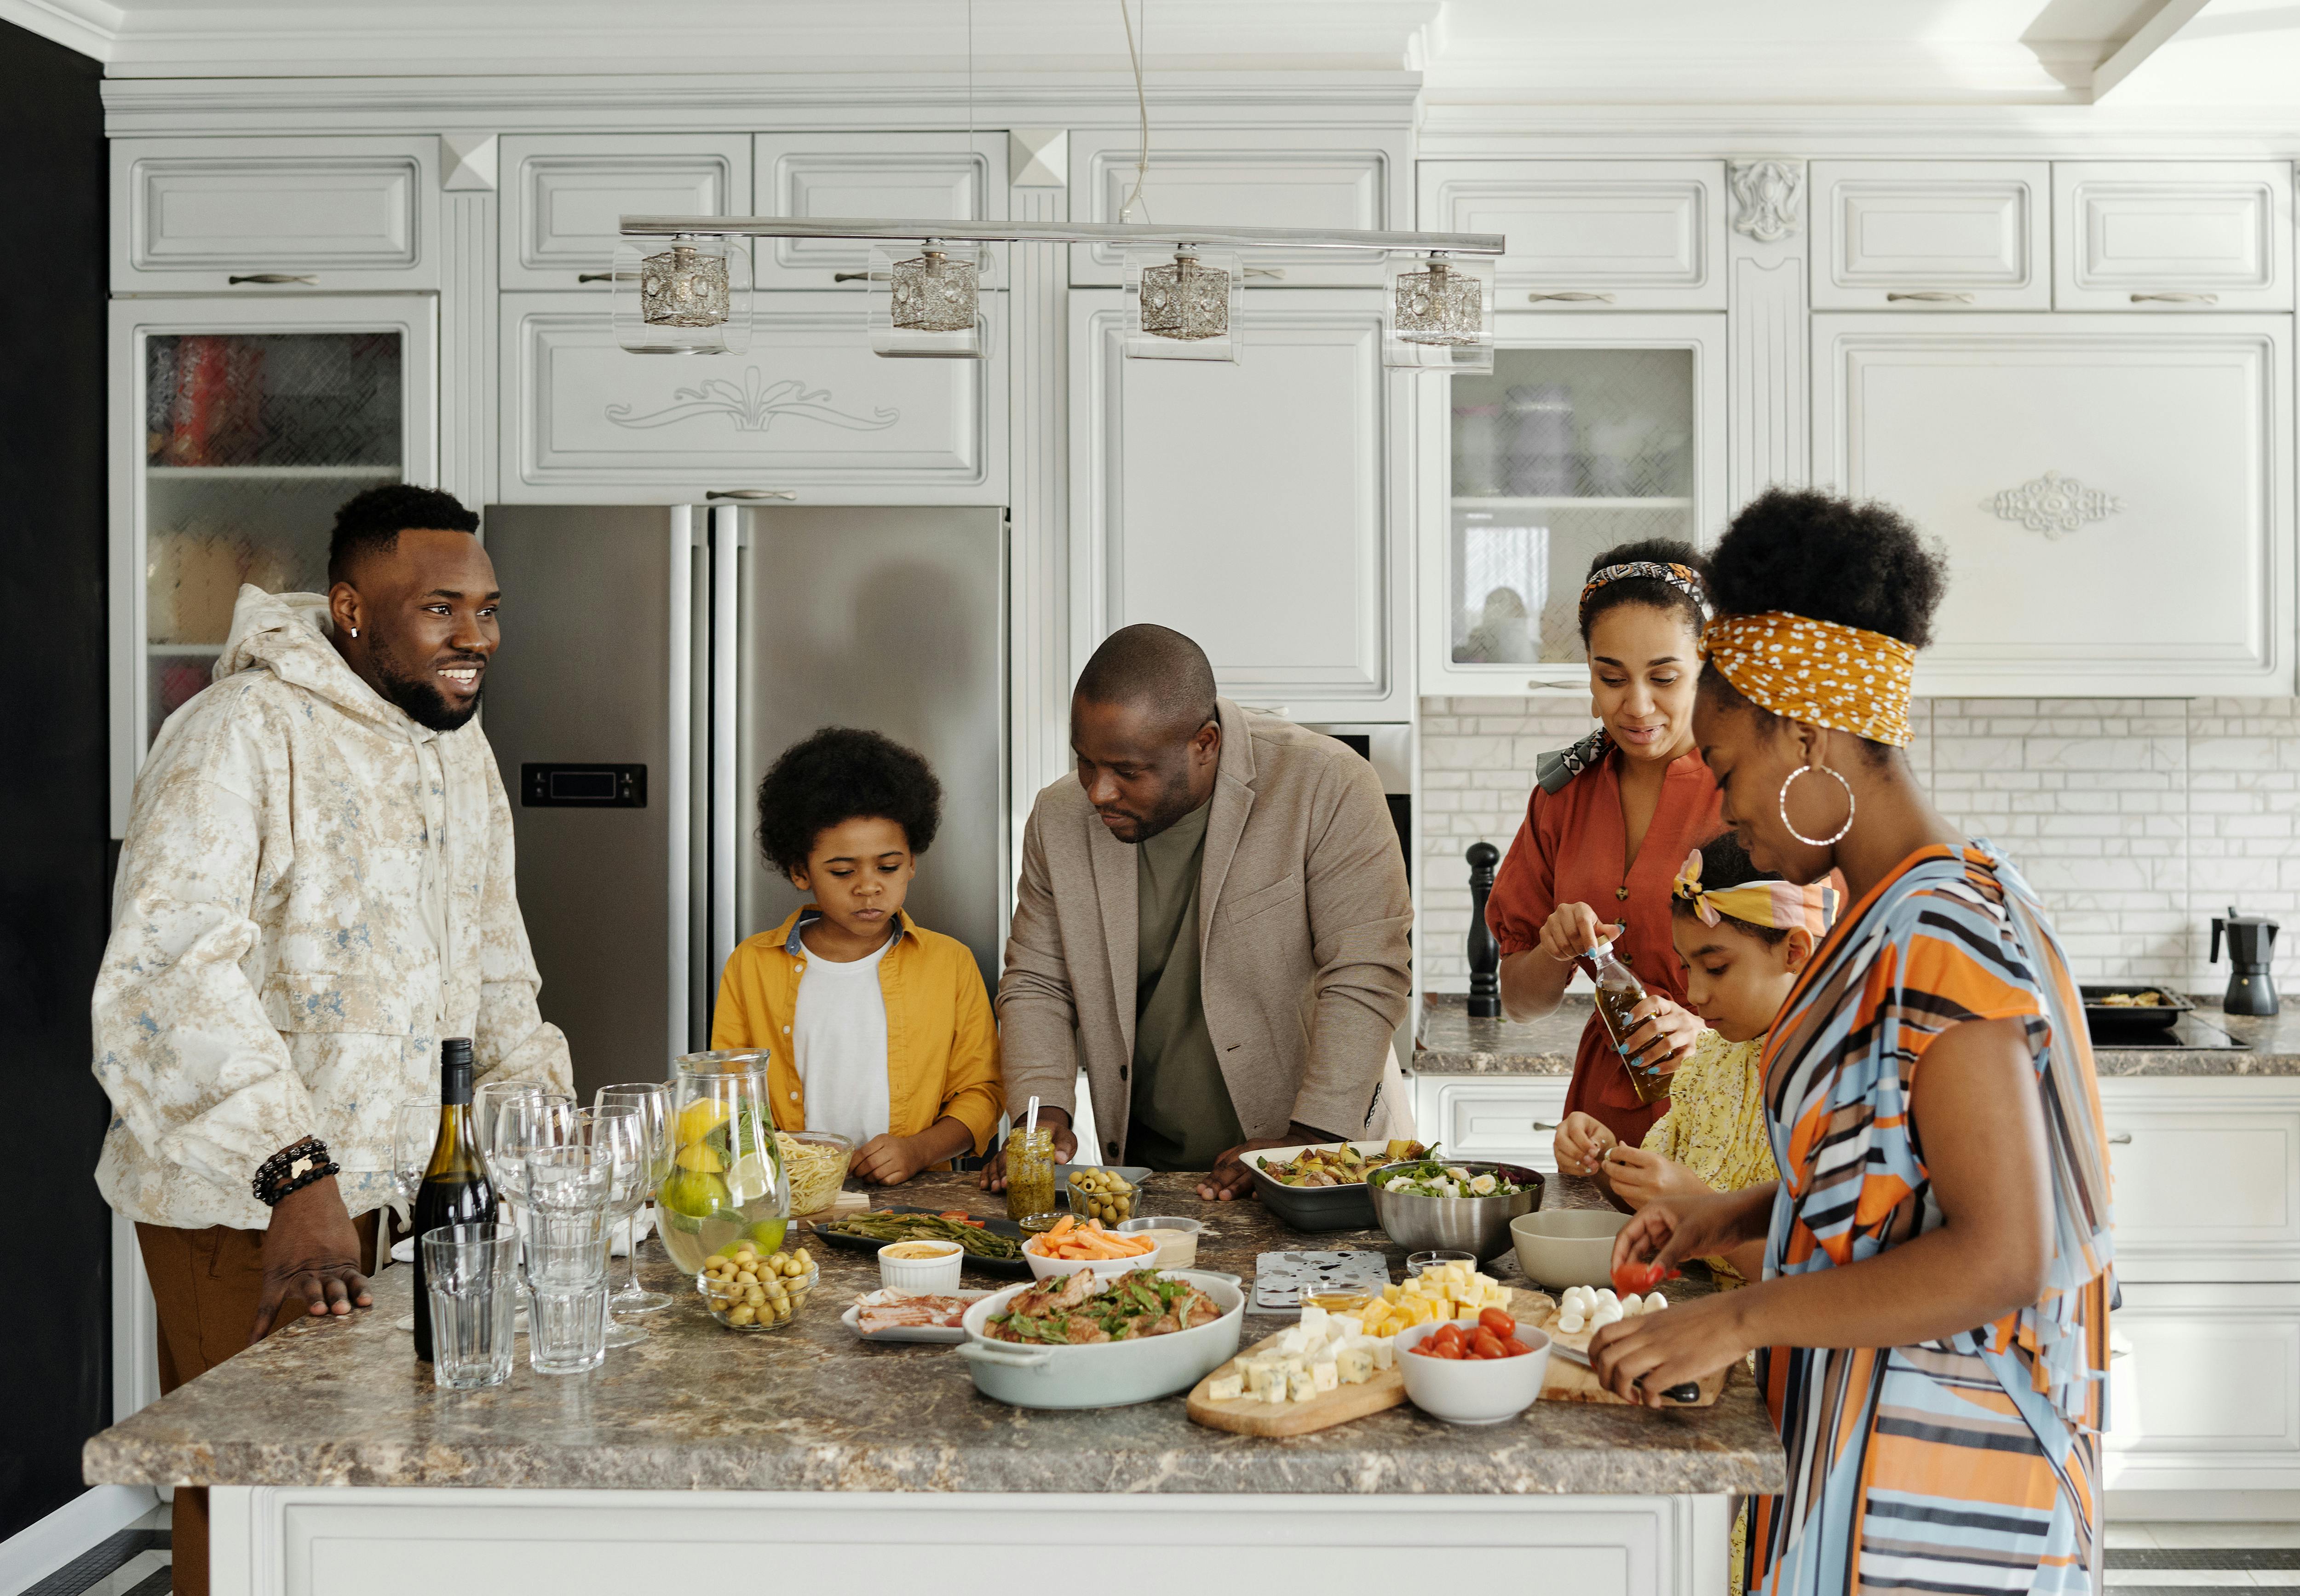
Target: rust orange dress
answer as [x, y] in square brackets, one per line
[1570, 850]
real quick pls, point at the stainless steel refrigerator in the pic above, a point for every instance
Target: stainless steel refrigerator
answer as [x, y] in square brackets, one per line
[654, 661]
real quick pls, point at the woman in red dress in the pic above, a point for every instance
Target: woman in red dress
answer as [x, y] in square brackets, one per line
[1610, 821]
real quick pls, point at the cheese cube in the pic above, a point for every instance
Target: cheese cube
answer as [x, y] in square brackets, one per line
[1325, 1376]
[1260, 1374]
[1300, 1387]
[1385, 1353]
[1227, 1389]
[1390, 1294]
[1313, 1320]
[1354, 1364]
[1296, 1340]
[1347, 1325]
[1275, 1392]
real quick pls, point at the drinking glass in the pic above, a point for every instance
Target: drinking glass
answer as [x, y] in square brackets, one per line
[473, 1274]
[1417, 1262]
[652, 1099]
[617, 1131]
[414, 1133]
[726, 1182]
[524, 1122]
[569, 1195]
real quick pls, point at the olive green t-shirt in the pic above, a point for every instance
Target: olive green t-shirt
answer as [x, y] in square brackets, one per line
[1182, 1116]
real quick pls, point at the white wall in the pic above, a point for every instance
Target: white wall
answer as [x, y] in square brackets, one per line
[2137, 820]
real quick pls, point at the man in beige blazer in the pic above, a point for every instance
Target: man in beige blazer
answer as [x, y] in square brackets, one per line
[1211, 917]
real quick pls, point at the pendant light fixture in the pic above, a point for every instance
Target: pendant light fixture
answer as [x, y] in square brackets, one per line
[687, 295]
[931, 302]
[1184, 305]
[1438, 313]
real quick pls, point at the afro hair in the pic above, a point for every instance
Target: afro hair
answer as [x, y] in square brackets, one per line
[843, 773]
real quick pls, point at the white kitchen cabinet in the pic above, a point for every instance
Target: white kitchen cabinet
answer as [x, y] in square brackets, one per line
[1931, 235]
[254, 216]
[2241, 1223]
[934, 176]
[1592, 431]
[1509, 1118]
[1297, 178]
[1250, 506]
[2173, 235]
[2203, 1388]
[237, 427]
[565, 197]
[2115, 492]
[809, 410]
[1590, 234]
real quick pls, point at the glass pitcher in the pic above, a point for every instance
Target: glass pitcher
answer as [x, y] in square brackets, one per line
[726, 1183]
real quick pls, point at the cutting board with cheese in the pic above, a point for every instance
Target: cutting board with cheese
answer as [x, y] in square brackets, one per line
[1246, 1415]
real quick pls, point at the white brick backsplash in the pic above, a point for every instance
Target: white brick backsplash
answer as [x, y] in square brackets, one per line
[2137, 820]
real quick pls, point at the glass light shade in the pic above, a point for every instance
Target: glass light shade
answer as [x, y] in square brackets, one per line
[925, 300]
[683, 296]
[1439, 313]
[1184, 305]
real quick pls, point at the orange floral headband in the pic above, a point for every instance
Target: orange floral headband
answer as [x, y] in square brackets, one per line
[1818, 671]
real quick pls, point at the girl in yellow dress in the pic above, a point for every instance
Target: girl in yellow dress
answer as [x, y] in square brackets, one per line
[1742, 939]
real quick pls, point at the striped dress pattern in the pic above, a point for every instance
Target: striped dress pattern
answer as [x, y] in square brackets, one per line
[1971, 1464]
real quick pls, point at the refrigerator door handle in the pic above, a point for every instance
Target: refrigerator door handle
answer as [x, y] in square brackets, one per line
[679, 799]
[726, 777]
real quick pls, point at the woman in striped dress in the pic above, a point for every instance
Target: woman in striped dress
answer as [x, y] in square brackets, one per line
[1932, 1326]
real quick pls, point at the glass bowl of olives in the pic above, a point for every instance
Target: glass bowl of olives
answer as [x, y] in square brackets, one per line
[746, 1290]
[1101, 1194]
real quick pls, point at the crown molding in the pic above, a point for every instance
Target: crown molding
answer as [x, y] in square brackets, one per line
[1457, 130]
[88, 26]
[637, 101]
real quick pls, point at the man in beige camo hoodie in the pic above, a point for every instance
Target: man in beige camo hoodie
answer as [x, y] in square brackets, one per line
[316, 887]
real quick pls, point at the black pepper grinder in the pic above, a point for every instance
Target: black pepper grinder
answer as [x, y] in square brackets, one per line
[1484, 952]
[2251, 959]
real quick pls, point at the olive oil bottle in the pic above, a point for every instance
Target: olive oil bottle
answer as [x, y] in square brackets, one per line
[1619, 993]
[456, 1189]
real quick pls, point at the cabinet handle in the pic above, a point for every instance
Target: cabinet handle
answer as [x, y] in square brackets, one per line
[1544, 1125]
[1570, 297]
[2170, 298]
[1931, 296]
[750, 494]
[2122, 1139]
[271, 277]
[606, 277]
[862, 277]
[1275, 273]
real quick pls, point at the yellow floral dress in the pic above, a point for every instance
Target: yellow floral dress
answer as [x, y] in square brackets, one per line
[1715, 1126]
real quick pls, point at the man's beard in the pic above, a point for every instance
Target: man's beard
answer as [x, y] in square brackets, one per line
[421, 701]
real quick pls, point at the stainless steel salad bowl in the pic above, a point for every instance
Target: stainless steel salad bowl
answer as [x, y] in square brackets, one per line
[1480, 1225]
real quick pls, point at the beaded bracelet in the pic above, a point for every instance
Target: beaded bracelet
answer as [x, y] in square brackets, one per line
[291, 1168]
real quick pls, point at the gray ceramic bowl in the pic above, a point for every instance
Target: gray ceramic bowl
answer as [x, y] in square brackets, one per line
[1568, 1246]
[1313, 1207]
[1476, 1225]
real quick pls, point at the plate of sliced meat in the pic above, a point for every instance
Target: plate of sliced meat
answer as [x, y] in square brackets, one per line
[889, 1315]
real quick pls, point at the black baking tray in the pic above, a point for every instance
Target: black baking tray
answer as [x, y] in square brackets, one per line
[1017, 1268]
[2105, 1020]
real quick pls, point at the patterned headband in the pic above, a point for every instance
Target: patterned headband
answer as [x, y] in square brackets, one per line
[1778, 905]
[1683, 578]
[1818, 671]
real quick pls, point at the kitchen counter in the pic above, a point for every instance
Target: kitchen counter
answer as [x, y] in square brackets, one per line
[1452, 1043]
[812, 1408]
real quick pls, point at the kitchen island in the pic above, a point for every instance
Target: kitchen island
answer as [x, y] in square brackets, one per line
[719, 1458]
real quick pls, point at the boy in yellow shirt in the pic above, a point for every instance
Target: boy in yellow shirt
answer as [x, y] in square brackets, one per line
[879, 1030]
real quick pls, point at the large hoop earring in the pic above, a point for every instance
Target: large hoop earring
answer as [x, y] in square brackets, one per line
[1788, 826]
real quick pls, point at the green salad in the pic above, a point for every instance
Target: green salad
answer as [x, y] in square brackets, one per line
[1431, 1178]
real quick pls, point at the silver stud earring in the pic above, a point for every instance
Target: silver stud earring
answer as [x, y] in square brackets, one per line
[355, 631]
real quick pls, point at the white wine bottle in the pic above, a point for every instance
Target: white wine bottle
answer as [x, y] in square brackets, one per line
[456, 1189]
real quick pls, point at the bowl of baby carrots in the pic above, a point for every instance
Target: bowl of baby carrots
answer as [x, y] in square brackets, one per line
[1070, 1246]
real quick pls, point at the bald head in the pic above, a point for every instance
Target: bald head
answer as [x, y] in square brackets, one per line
[1154, 669]
[1146, 731]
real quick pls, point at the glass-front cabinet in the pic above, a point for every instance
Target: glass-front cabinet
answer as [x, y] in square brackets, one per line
[1593, 430]
[240, 428]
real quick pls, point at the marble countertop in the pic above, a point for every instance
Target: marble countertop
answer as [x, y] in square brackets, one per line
[696, 1407]
[1452, 1043]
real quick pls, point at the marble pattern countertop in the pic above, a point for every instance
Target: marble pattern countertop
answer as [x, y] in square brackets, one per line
[1451, 1042]
[812, 1409]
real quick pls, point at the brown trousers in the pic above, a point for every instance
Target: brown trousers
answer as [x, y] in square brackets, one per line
[206, 1284]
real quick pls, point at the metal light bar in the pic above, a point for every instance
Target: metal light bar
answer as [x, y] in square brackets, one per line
[1141, 235]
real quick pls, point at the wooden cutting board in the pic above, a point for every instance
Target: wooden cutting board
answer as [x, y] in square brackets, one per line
[844, 1203]
[1562, 1382]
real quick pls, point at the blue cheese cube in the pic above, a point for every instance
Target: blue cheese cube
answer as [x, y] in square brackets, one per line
[1299, 1387]
[1229, 1388]
[1353, 1362]
[1324, 1377]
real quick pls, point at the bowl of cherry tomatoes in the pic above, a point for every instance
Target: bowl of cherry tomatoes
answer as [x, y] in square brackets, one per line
[1477, 1371]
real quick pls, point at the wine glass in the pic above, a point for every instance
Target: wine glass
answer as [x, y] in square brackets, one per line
[652, 1099]
[619, 1131]
[525, 1121]
[414, 1133]
[486, 1107]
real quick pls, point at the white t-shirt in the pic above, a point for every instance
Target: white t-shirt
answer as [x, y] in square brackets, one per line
[838, 1041]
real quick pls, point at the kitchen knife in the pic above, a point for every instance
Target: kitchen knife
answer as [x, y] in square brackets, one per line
[1691, 1391]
